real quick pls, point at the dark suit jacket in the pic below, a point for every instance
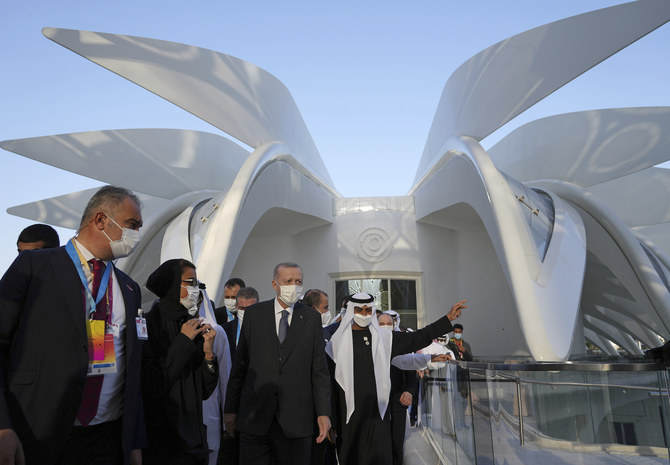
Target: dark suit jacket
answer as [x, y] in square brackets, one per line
[402, 381]
[231, 331]
[44, 353]
[288, 381]
[329, 330]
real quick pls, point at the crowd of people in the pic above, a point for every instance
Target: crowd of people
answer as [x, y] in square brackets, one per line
[88, 377]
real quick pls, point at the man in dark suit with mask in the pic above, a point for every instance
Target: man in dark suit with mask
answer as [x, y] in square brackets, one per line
[279, 379]
[50, 300]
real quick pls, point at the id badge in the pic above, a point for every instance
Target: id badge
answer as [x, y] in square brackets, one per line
[106, 363]
[95, 331]
[141, 325]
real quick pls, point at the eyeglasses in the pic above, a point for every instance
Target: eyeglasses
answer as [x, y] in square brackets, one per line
[190, 282]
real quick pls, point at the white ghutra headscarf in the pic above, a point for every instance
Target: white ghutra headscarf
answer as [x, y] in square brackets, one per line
[340, 348]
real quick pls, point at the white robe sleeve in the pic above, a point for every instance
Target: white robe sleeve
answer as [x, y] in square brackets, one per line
[411, 361]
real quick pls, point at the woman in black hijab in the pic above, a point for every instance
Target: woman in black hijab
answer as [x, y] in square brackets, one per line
[179, 368]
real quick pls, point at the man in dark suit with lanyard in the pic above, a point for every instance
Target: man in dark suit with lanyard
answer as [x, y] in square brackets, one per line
[279, 380]
[245, 298]
[70, 351]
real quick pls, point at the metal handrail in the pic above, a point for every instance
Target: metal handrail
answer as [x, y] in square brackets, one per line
[562, 366]
[575, 383]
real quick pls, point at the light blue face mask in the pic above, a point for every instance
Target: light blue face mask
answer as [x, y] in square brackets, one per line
[458, 335]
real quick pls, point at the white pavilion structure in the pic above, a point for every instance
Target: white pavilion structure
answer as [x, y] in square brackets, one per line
[558, 236]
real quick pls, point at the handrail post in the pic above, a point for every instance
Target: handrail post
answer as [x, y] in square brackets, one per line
[518, 401]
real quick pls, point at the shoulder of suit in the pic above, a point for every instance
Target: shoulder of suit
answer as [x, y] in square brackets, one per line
[264, 304]
[123, 276]
[40, 256]
[308, 312]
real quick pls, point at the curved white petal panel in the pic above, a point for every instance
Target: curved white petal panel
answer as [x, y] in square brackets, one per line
[233, 95]
[603, 343]
[658, 234]
[621, 338]
[164, 163]
[625, 322]
[507, 78]
[640, 199]
[147, 256]
[587, 147]
[65, 210]
[270, 178]
[547, 289]
[633, 282]
[176, 243]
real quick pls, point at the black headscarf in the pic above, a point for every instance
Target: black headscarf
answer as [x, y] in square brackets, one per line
[165, 282]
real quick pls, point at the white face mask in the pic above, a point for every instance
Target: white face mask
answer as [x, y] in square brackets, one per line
[124, 246]
[362, 320]
[386, 327]
[325, 318]
[290, 294]
[191, 300]
[230, 305]
[240, 314]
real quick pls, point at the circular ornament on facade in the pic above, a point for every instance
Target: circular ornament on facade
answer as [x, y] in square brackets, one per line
[374, 245]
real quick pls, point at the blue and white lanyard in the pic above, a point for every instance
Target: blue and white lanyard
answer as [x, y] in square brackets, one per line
[81, 264]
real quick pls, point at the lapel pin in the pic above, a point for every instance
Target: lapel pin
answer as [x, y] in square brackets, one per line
[130, 288]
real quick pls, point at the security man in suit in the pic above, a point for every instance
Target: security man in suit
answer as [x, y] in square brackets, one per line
[245, 298]
[279, 380]
[70, 354]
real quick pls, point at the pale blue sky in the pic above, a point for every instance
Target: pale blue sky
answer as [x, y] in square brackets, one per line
[367, 77]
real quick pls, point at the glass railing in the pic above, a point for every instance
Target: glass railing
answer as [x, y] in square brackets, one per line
[547, 413]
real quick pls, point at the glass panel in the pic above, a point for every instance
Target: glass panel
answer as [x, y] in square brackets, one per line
[577, 416]
[395, 294]
[403, 301]
[383, 300]
[341, 290]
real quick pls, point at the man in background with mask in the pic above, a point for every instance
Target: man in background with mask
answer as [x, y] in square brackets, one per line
[245, 298]
[229, 311]
[457, 344]
[279, 381]
[50, 410]
[318, 300]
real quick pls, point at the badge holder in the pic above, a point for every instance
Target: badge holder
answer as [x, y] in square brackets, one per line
[101, 345]
[141, 326]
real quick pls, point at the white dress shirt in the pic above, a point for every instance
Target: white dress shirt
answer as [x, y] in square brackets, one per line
[110, 405]
[278, 310]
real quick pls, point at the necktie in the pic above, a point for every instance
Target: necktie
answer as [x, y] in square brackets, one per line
[93, 385]
[283, 326]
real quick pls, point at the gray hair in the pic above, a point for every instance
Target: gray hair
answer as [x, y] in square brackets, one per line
[284, 265]
[247, 293]
[107, 198]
